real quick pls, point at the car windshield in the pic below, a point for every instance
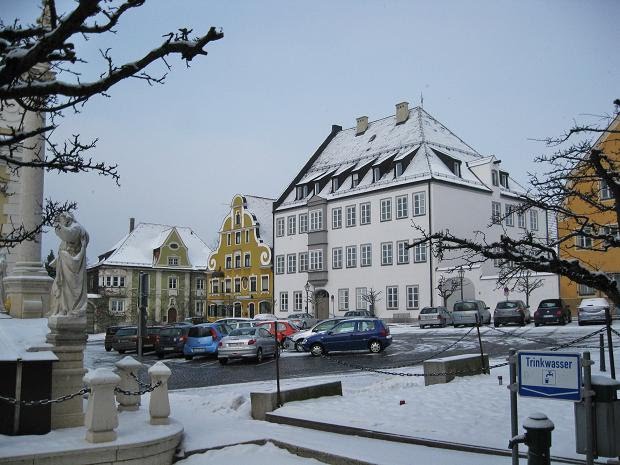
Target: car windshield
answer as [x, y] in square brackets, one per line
[549, 304]
[507, 304]
[244, 332]
[126, 331]
[325, 325]
[200, 331]
[426, 310]
[464, 306]
[171, 332]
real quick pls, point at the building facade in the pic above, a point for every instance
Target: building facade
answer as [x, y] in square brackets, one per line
[240, 269]
[583, 249]
[174, 259]
[343, 225]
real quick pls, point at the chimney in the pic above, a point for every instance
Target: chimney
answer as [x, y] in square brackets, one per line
[362, 125]
[402, 112]
[132, 224]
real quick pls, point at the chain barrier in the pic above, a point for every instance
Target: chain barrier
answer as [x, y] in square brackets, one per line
[146, 388]
[35, 403]
[615, 332]
[553, 348]
[140, 383]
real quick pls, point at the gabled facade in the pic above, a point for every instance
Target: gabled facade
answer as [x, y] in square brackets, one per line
[175, 260]
[240, 269]
[608, 262]
[342, 225]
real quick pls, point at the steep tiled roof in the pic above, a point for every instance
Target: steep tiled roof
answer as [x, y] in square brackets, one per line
[136, 248]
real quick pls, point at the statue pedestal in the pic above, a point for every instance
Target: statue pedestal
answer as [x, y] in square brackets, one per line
[28, 289]
[68, 338]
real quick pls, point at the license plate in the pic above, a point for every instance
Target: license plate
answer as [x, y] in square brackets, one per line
[236, 344]
[428, 317]
[549, 316]
[198, 349]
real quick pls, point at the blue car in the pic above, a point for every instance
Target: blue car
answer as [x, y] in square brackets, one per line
[354, 334]
[203, 339]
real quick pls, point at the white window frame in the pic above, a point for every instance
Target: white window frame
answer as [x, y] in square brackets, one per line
[316, 220]
[280, 264]
[366, 255]
[413, 297]
[605, 192]
[365, 213]
[496, 212]
[247, 259]
[121, 282]
[291, 225]
[280, 227]
[173, 260]
[521, 219]
[420, 253]
[336, 218]
[284, 301]
[215, 286]
[173, 282]
[386, 209]
[291, 263]
[298, 301]
[584, 242]
[510, 218]
[316, 260]
[584, 290]
[264, 277]
[336, 258]
[534, 220]
[351, 254]
[402, 207]
[303, 262]
[419, 203]
[355, 179]
[391, 297]
[351, 216]
[253, 284]
[343, 299]
[402, 253]
[117, 307]
[387, 253]
[360, 303]
[115, 281]
[200, 284]
[303, 223]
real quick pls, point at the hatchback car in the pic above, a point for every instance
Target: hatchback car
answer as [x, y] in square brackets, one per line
[302, 320]
[434, 316]
[470, 312]
[171, 340]
[358, 313]
[285, 329]
[355, 334]
[109, 336]
[296, 340]
[511, 311]
[126, 338]
[552, 311]
[252, 342]
[593, 310]
[204, 339]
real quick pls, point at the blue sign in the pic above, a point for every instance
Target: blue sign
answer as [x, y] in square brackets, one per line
[551, 375]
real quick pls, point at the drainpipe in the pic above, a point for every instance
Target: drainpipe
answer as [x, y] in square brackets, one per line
[430, 254]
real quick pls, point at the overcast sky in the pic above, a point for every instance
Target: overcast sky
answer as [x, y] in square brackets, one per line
[247, 117]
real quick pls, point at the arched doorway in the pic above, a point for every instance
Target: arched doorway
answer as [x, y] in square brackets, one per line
[237, 312]
[172, 315]
[321, 304]
[251, 310]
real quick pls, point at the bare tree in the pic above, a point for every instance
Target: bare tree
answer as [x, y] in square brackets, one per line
[39, 76]
[580, 186]
[520, 280]
[372, 297]
[447, 287]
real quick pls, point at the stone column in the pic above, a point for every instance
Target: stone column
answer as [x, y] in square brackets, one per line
[28, 284]
[68, 338]
[101, 417]
[126, 366]
[159, 405]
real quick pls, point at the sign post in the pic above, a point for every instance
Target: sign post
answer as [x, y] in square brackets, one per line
[550, 375]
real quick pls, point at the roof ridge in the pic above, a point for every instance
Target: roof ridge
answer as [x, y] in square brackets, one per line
[475, 152]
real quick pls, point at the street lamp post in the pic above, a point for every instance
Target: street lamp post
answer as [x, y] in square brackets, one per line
[461, 274]
[307, 288]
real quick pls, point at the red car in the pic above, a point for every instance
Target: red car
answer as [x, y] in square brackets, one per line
[285, 328]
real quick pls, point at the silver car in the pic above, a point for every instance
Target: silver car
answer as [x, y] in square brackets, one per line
[593, 311]
[434, 316]
[470, 312]
[302, 320]
[511, 311]
[253, 342]
[297, 339]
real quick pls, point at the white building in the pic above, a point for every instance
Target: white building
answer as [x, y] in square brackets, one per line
[341, 226]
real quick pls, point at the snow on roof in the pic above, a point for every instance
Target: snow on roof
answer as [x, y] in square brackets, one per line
[262, 209]
[434, 145]
[23, 339]
[136, 248]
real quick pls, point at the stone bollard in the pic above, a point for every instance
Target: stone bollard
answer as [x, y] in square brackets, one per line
[101, 417]
[126, 366]
[159, 406]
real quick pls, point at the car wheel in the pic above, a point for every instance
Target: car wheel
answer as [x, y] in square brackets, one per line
[299, 346]
[121, 351]
[421, 326]
[317, 349]
[375, 347]
[259, 355]
[522, 322]
[537, 324]
[108, 349]
[160, 355]
[223, 361]
[189, 357]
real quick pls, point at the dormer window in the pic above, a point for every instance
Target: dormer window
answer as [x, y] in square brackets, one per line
[376, 174]
[302, 192]
[398, 169]
[317, 188]
[494, 178]
[457, 168]
[503, 179]
[335, 184]
[355, 179]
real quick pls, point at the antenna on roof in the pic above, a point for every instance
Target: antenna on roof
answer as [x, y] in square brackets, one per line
[421, 100]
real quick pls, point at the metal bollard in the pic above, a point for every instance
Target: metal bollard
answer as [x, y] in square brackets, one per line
[126, 366]
[537, 438]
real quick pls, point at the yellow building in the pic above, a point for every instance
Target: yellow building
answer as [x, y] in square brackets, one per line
[581, 248]
[240, 271]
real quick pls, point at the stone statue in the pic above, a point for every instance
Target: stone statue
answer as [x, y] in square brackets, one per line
[2, 276]
[69, 294]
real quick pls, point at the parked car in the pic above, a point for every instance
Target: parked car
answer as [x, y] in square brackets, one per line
[552, 311]
[353, 334]
[593, 310]
[126, 338]
[296, 340]
[285, 329]
[250, 342]
[265, 317]
[171, 340]
[193, 320]
[470, 312]
[511, 311]
[203, 339]
[302, 320]
[109, 336]
[356, 313]
[434, 316]
[234, 323]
